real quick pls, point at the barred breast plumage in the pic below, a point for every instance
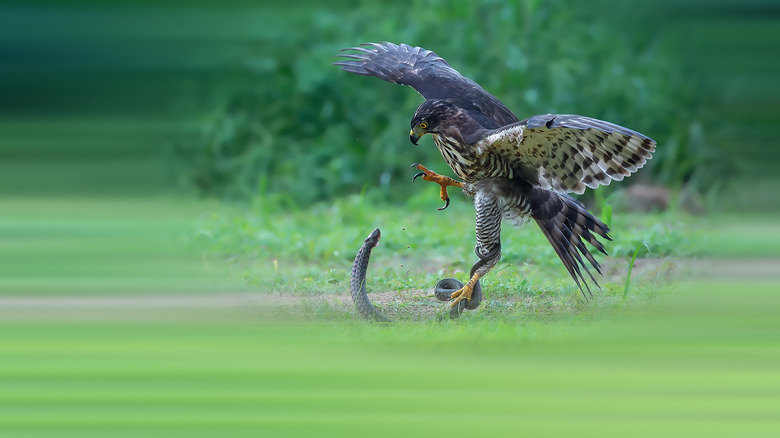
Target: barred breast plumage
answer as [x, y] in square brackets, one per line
[467, 164]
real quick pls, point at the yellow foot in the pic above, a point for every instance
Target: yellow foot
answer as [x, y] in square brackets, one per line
[443, 181]
[465, 292]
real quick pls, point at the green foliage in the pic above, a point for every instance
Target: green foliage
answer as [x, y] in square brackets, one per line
[280, 119]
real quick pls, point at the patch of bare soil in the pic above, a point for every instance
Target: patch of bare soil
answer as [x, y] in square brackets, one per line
[414, 305]
[417, 304]
[420, 304]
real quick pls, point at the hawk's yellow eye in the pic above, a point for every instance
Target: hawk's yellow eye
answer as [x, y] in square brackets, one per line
[423, 125]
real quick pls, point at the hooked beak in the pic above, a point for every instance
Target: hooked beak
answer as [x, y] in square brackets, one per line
[413, 137]
[415, 134]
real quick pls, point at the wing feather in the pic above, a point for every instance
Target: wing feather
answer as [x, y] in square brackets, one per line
[429, 74]
[567, 153]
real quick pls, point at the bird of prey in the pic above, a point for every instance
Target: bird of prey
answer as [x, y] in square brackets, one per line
[515, 170]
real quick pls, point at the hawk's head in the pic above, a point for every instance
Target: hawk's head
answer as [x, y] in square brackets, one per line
[430, 117]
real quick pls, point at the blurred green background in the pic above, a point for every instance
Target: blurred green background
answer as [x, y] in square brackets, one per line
[164, 164]
[238, 100]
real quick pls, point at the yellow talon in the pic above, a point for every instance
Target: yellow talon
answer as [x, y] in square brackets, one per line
[465, 292]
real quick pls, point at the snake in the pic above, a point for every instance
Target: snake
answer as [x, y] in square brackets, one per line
[443, 289]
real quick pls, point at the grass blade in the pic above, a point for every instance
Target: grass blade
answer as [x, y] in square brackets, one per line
[631, 267]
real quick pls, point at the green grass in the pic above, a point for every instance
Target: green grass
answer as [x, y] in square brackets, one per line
[97, 246]
[415, 238]
[682, 357]
[266, 248]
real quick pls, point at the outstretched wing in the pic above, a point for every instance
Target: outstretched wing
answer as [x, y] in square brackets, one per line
[567, 153]
[427, 73]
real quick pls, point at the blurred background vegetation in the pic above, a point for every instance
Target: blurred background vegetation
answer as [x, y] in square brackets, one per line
[279, 120]
[238, 100]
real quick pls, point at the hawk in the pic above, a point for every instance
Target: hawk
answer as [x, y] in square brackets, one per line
[515, 170]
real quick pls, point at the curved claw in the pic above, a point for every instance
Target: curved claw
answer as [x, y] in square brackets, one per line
[443, 181]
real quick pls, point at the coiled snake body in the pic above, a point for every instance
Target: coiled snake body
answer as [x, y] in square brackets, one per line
[443, 289]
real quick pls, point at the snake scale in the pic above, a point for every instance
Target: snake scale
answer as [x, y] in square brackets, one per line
[443, 289]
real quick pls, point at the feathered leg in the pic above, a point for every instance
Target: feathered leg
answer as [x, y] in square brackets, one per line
[488, 248]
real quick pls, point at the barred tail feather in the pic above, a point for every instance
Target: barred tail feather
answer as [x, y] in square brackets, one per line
[567, 224]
